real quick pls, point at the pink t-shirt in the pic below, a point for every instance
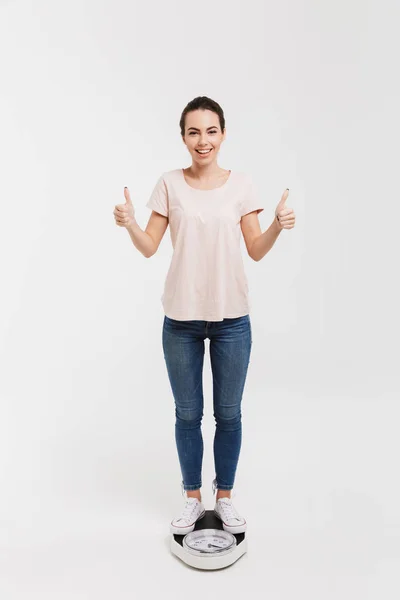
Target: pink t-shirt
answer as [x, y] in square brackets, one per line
[206, 279]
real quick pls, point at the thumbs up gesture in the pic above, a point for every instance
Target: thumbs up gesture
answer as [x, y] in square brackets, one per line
[125, 213]
[284, 216]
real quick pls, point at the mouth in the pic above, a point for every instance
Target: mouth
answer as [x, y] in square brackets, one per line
[204, 152]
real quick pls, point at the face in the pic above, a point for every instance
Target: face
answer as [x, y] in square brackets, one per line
[203, 132]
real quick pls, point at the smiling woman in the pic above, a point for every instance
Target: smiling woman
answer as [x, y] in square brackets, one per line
[206, 297]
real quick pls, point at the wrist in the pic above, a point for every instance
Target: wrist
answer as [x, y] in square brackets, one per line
[132, 225]
[277, 226]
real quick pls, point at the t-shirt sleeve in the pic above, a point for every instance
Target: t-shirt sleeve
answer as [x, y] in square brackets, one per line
[251, 200]
[158, 200]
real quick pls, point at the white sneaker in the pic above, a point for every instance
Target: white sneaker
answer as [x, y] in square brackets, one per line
[186, 521]
[231, 520]
[226, 512]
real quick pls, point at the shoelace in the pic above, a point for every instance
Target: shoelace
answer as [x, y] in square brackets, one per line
[228, 510]
[188, 510]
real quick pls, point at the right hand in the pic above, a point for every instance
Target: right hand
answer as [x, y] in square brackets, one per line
[125, 213]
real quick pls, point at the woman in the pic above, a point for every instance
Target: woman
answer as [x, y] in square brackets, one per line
[206, 296]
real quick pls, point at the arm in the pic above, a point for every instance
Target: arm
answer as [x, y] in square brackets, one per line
[148, 241]
[258, 243]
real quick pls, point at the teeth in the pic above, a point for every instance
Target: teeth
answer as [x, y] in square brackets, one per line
[204, 151]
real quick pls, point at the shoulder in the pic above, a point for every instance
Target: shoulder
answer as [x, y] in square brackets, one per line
[243, 180]
[243, 176]
[167, 179]
[171, 175]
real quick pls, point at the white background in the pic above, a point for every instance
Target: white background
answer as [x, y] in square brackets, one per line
[91, 97]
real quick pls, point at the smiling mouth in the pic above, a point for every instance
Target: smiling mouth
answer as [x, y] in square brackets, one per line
[204, 153]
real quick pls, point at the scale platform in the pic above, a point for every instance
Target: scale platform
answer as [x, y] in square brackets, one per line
[209, 560]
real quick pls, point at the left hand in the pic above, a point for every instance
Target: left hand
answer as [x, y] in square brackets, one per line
[284, 217]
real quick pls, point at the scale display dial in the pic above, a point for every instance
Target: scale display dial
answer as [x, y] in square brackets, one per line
[209, 542]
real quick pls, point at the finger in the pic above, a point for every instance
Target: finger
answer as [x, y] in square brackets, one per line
[127, 196]
[121, 211]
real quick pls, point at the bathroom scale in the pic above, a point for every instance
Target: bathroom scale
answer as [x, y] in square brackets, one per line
[209, 546]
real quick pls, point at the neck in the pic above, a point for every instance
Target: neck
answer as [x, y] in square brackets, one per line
[204, 172]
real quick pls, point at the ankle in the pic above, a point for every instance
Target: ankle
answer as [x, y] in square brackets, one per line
[194, 494]
[223, 494]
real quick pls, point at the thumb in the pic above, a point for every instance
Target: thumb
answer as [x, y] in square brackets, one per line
[127, 196]
[283, 199]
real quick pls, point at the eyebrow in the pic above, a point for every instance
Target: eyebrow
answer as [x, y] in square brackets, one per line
[212, 127]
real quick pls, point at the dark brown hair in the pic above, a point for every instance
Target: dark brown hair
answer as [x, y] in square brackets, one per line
[204, 103]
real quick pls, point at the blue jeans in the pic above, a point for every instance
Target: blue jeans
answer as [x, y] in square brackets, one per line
[230, 347]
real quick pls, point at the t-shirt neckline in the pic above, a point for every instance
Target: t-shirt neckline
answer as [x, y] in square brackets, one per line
[212, 189]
